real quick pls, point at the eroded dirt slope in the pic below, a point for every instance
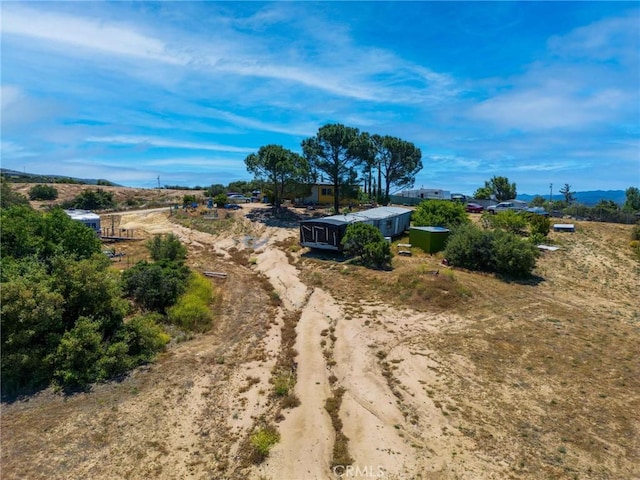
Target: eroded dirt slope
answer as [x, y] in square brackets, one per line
[511, 380]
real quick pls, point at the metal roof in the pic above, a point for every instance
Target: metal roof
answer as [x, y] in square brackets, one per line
[82, 215]
[371, 214]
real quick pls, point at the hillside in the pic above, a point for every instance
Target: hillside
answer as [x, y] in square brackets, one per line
[454, 375]
[125, 197]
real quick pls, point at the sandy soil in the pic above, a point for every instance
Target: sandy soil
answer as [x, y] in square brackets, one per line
[532, 380]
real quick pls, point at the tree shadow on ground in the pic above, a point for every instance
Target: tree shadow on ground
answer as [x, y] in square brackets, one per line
[284, 217]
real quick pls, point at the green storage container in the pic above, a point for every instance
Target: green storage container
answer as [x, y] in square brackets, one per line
[429, 239]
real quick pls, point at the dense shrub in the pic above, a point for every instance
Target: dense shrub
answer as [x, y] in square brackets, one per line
[9, 198]
[512, 255]
[145, 337]
[471, 248]
[166, 247]
[366, 242]
[43, 192]
[491, 251]
[61, 307]
[155, 286]
[220, 199]
[539, 225]
[262, 440]
[440, 213]
[192, 311]
[507, 220]
[97, 199]
[31, 328]
[26, 232]
[77, 355]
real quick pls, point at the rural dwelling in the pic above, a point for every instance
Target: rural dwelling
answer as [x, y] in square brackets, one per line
[322, 194]
[90, 219]
[415, 197]
[429, 239]
[327, 232]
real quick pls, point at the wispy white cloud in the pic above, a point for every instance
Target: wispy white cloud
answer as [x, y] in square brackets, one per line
[12, 150]
[614, 38]
[147, 141]
[85, 33]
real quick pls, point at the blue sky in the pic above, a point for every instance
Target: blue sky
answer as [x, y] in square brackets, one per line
[541, 93]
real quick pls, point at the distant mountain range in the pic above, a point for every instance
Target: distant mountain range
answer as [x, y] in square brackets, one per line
[17, 176]
[586, 198]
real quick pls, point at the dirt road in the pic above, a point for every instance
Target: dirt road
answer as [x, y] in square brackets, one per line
[535, 383]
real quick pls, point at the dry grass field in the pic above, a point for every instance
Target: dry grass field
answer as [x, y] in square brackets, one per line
[408, 373]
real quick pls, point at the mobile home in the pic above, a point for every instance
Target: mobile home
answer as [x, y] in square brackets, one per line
[90, 219]
[327, 233]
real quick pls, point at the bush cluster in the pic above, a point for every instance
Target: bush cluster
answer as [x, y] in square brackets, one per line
[97, 199]
[62, 312]
[440, 213]
[367, 243]
[43, 192]
[491, 251]
[192, 311]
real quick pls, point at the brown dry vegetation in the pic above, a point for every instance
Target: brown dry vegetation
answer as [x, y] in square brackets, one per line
[454, 375]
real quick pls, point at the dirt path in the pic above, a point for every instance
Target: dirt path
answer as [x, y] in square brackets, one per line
[534, 381]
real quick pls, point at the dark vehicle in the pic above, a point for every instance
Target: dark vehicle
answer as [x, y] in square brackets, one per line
[474, 208]
[232, 206]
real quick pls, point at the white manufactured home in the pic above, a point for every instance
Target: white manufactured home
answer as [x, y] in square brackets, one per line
[87, 217]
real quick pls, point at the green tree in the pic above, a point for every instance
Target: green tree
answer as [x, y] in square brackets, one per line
[77, 355]
[31, 316]
[334, 151]
[280, 168]
[366, 242]
[187, 200]
[440, 213]
[26, 232]
[399, 161]
[499, 187]
[483, 193]
[220, 200]
[538, 201]
[632, 202]
[91, 289]
[155, 286]
[569, 196]
[167, 247]
[97, 199]
[9, 198]
[214, 189]
[43, 192]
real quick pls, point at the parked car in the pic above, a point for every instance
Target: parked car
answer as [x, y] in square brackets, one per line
[239, 199]
[503, 206]
[474, 208]
[536, 211]
[232, 206]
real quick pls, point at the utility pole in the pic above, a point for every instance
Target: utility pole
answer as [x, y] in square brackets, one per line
[158, 182]
[550, 192]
